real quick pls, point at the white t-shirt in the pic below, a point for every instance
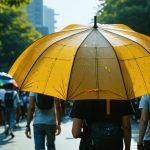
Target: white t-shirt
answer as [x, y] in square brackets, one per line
[145, 104]
[43, 116]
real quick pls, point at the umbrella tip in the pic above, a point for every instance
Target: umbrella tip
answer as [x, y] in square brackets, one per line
[95, 22]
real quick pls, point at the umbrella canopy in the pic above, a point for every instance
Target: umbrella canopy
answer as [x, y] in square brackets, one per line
[86, 62]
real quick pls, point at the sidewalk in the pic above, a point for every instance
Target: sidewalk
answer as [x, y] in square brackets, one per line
[64, 141]
[135, 134]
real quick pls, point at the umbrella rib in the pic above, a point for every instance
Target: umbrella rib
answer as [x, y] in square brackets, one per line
[55, 33]
[96, 69]
[58, 53]
[45, 51]
[118, 63]
[72, 92]
[123, 30]
[74, 61]
[43, 37]
[128, 39]
[132, 31]
[135, 59]
[140, 72]
[71, 30]
[62, 93]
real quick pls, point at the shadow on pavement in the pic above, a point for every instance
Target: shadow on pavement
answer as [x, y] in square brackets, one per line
[4, 139]
[7, 139]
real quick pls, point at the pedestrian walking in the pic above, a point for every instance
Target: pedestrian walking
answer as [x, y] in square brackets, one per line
[99, 131]
[12, 103]
[25, 99]
[144, 128]
[46, 120]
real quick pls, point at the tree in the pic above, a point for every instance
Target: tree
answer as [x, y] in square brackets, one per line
[133, 13]
[16, 3]
[16, 34]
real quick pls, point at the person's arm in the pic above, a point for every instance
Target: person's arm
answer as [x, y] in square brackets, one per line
[31, 110]
[58, 115]
[142, 127]
[126, 126]
[76, 127]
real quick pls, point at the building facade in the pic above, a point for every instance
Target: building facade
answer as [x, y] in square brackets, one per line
[48, 19]
[41, 17]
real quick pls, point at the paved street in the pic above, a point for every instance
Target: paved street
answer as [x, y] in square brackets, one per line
[63, 141]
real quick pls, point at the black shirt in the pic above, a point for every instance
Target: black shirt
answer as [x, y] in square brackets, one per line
[95, 110]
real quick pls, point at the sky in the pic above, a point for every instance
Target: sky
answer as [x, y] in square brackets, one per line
[72, 11]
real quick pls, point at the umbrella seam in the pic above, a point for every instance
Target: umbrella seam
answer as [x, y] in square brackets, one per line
[45, 51]
[96, 69]
[58, 53]
[128, 39]
[71, 30]
[132, 31]
[135, 59]
[54, 33]
[74, 61]
[108, 29]
[117, 60]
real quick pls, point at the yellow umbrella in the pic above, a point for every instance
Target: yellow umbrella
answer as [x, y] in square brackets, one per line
[86, 62]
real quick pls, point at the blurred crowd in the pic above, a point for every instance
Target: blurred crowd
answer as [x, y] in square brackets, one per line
[22, 109]
[19, 108]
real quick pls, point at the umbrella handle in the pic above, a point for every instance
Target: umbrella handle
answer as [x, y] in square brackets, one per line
[108, 106]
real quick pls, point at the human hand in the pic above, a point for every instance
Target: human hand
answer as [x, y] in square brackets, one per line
[58, 130]
[28, 132]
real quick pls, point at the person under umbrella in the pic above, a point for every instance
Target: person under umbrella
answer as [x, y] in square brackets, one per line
[97, 129]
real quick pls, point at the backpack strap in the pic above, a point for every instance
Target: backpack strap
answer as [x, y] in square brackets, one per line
[86, 143]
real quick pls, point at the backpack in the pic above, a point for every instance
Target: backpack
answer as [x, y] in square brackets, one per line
[9, 100]
[97, 133]
[105, 131]
[44, 102]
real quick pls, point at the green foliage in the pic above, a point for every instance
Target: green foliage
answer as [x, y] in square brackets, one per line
[134, 13]
[16, 34]
[16, 3]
